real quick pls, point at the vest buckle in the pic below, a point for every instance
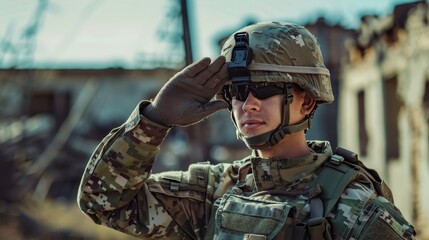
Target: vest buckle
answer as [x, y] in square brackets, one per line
[250, 236]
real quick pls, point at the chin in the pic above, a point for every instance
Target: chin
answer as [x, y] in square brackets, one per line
[249, 134]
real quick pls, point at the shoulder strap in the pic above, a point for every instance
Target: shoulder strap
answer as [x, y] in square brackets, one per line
[337, 173]
[333, 178]
[379, 185]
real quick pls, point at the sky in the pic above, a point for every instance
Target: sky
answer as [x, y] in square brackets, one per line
[129, 33]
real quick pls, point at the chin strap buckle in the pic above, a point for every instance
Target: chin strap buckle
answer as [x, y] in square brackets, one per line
[288, 89]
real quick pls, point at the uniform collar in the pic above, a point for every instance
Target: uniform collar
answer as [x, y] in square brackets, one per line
[289, 173]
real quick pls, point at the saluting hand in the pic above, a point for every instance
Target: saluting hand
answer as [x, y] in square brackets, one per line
[186, 98]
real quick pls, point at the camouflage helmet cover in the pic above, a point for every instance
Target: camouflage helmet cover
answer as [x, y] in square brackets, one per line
[285, 44]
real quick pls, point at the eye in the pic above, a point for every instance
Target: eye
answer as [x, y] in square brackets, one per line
[267, 91]
[239, 92]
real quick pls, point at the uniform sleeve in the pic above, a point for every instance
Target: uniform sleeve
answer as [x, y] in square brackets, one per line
[113, 189]
[361, 214]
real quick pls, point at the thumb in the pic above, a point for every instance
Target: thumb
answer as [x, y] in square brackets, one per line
[214, 106]
[196, 113]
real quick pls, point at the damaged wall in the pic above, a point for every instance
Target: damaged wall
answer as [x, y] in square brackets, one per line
[384, 104]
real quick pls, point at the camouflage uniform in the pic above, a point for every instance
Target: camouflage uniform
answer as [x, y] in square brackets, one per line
[119, 191]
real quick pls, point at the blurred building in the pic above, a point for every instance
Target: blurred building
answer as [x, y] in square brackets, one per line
[384, 104]
[50, 122]
[52, 119]
[331, 39]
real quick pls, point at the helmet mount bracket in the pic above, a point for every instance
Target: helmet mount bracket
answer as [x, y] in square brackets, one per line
[240, 59]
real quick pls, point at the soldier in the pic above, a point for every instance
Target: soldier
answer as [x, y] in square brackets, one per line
[271, 77]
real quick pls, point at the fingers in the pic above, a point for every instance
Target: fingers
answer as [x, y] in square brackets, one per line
[196, 67]
[214, 74]
[218, 79]
[203, 74]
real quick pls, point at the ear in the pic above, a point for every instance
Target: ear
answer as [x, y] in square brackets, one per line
[307, 105]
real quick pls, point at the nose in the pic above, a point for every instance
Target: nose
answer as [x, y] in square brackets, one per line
[251, 104]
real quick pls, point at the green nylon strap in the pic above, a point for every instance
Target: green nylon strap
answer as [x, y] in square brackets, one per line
[333, 179]
[300, 231]
[210, 221]
[316, 207]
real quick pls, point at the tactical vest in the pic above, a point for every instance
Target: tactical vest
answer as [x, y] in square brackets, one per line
[247, 217]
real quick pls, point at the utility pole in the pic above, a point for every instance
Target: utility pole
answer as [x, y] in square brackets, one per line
[197, 132]
[186, 32]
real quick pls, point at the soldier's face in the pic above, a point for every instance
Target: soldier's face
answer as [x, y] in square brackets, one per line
[254, 116]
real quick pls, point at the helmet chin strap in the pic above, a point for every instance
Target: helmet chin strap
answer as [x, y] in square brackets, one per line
[273, 137]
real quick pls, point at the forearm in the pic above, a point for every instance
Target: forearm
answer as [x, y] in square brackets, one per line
[116, 172]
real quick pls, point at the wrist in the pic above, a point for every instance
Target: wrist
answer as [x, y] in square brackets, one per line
[154, 115]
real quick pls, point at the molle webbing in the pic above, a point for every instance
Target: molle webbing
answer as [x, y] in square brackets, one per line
[333, 179]
[343, 168]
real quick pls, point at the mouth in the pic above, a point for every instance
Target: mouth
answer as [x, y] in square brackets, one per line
[251, 123]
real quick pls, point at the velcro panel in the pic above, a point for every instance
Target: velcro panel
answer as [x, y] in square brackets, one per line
[239, 215]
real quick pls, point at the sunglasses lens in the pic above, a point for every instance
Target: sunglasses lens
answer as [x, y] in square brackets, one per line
[242, 92]
[260, 91]
[239, 92]
[267, 91]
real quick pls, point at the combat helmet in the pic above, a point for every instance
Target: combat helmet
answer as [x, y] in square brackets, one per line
[282, 54]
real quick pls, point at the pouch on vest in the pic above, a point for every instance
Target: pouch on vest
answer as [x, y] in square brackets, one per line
[240, 216]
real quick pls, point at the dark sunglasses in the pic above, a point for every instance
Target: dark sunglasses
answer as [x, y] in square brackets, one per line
[259, 90]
